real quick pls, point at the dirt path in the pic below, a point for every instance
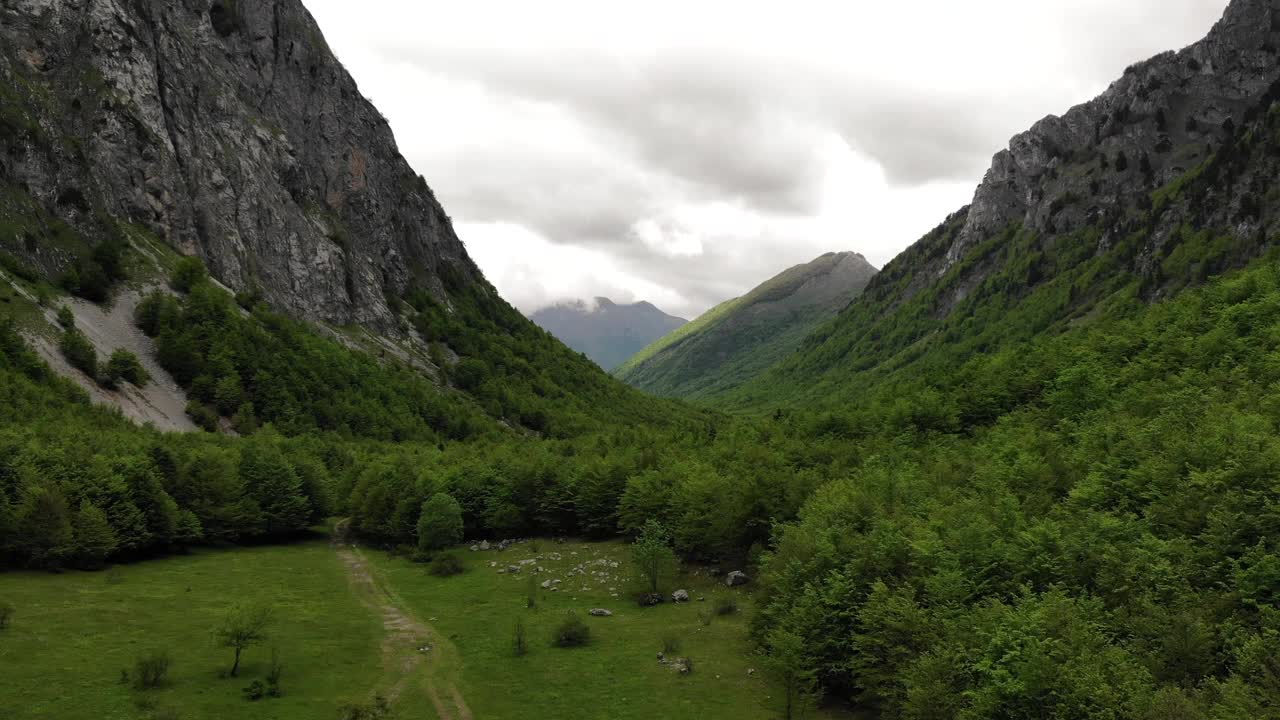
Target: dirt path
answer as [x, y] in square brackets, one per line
[403, 660]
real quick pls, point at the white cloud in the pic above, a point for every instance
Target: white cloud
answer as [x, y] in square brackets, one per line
[683, 152]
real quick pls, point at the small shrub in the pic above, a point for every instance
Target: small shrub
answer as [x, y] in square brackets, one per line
[706, 616]
[379, 709]
[6, 615]
[156, 312]
[726, 605]
[151, 671]
[572, 632]
[274, 673]
[188, 273]
[670, 645]
[255, 691]
[124, 365]
[66, 318]
[78, 351]
[535, 547]
[202, 415]
[531, 591]
[445, 565]
[519, 643]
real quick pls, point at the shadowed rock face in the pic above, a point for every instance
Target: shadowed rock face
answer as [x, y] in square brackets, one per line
[229, 130]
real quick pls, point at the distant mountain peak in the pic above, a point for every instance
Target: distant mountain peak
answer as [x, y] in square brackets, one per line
[603, 330]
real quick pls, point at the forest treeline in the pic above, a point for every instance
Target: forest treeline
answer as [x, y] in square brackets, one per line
[1080, 525]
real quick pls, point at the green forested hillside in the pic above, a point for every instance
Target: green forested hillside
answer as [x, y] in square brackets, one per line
[739, 338]
[929, 309]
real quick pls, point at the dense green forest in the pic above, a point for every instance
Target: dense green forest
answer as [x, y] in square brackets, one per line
[1084, 524]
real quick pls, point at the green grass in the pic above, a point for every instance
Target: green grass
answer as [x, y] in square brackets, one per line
[617, 675]
[73, 633]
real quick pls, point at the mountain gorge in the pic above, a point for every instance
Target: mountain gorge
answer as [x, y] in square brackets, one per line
[1026, 470]
[738, 339]
[605, 331]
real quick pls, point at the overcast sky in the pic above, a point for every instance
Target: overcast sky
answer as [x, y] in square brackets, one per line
[683, 152]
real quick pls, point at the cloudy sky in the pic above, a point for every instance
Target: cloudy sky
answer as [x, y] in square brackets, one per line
[683, 152]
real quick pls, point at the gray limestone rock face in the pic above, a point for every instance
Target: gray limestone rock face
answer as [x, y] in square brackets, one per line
[230, 131]
[1099, 164]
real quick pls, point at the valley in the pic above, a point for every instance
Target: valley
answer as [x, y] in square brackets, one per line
[349, 627]
[265, 423]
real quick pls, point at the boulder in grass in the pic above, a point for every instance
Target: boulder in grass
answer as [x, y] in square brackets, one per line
[680, 596]
[737, 577]
[599, 612]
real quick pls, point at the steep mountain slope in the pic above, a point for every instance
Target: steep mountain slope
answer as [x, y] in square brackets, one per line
[737, 339]
[604, 331]
[1165, 179]
[229, 131]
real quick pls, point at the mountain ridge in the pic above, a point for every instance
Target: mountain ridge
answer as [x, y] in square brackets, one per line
[606, 332]
[1159, 182]
[741, 336]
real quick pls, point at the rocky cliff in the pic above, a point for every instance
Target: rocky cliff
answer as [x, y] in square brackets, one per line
[225, 128]
[1099, 163]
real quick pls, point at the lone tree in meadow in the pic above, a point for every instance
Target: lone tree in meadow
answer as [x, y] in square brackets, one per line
[242, 628]
[440, 524]
[652, 554]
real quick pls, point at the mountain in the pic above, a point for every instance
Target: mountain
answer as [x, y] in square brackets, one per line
[732, 342]
[228, 131]
[133, 133]
[1163, 181]
[604, 331]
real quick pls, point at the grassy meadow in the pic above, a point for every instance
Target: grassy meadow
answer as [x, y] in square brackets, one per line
[342, 641]
[617, 674]
[73, 633]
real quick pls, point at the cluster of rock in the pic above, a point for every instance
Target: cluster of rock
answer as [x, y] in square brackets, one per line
[682, 665]
[500, 545]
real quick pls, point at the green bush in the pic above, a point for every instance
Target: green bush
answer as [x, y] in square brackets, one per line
[255, 691]
[152, 671]
[445, 565]
[571, 632]
[202, 415]
[124, 365]
[66, 318]
[6, 615]
[78, 351]
[157, 312]
[188, 273]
